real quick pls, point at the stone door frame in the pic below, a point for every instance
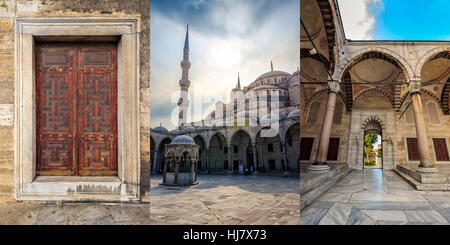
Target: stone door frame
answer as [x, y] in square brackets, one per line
[355, 155]
[125, 186]
[379, 132]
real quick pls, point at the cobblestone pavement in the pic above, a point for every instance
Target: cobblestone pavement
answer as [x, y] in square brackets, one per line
[227, 200]
[372, 197]
[26, 213]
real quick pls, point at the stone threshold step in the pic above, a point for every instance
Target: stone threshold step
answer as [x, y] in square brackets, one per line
[312, 195]
[419, 186]
[423, 178]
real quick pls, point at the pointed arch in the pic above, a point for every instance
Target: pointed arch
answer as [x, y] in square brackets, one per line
[443, 52]
[375, 52]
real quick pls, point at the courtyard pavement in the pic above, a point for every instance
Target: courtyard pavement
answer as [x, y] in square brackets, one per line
[27, 213]
[373, 196]
[227, 200]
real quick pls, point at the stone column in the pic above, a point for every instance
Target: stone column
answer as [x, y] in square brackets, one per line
[244, 151]
[165, 170]
[426, 164]
[286, 164]
[255, 158]
[208, 160]
[320, 164]
[230, 158]
[155, 161]
[261, 154]
[177, 165]
[193, 166]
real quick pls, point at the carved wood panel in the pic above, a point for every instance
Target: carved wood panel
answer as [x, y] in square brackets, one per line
[97, 109]
[76, 116]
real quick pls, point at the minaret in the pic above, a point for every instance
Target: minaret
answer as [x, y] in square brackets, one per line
[183, 102]
[239, 82]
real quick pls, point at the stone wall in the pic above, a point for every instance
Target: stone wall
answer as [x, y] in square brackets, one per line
[9, 9]
[405, 130]
[338, 130]
[395, 130]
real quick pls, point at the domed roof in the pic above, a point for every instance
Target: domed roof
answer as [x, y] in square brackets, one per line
[206, 127]
[182, 140]
[295, 114]
[175, 131]
[188, 130]
[160, 129]
[272, 117]
[272, 73]
[263, 87]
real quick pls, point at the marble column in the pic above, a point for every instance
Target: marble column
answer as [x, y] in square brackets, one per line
[320, 163]
[426, 162]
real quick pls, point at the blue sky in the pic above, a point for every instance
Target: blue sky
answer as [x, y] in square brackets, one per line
[226, 37]
[396, 19]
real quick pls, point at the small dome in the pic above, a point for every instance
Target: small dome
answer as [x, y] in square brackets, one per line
[272, 74]
[295, 114]
[271, 117]
[175, 131]
[205, 127]
[188, 130]
[160, 129]
[182, 140]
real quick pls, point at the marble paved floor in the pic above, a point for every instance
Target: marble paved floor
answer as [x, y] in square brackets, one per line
[372, 197]
[227, 200]
[28, 213]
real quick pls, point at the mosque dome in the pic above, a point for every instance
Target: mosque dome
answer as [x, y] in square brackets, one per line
[271, 117]
[160, 129]
[188, 130]
[205, 127]
[182, 140]
[175, 131]
[273, 74]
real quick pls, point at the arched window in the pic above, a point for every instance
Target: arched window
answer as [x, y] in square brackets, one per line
[338, 113]
[433, 113]
[313, 112]
[409, 113]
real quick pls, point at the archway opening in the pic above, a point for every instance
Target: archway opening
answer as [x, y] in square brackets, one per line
[218, 155]
[159, 161]
[373, 146]
[201, 163]
[240, 141]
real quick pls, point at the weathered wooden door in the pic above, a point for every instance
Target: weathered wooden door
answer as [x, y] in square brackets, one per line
[440, 148]
[333, 149]
[76, 109]
[413, 149]
[306, 144]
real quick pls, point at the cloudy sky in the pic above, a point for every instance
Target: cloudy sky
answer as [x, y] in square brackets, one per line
[226, 37]
[396, 19]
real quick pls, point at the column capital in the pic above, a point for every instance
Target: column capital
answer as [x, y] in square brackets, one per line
[414, 87]
[333, 86]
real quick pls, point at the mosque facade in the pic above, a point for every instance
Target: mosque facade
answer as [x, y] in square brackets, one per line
[256, 132]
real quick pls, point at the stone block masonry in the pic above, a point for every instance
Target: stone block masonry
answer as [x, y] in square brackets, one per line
[12, 9]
